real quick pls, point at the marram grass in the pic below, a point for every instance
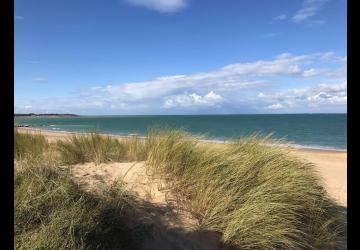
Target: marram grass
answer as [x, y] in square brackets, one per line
[51, 212]
[258, 196]
[28, 145]
[98, 149]
[252, 191]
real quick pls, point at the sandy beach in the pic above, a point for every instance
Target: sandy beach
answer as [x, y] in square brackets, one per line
[331, 165]
[332, 168]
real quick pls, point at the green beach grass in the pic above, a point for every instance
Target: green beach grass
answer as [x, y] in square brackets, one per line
[255, 195]
[98, 149]
[28, 146]
[52, 212]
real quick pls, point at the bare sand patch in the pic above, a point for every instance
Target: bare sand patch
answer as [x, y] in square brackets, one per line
[173, 226]
[332, 169]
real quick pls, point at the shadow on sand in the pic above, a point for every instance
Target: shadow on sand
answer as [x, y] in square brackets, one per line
[162, 228]
[152, 227]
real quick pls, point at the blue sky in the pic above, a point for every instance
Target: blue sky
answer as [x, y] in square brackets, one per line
[180, 56]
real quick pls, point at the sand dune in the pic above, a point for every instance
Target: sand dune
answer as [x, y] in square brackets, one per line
[173, 226]
[330, 165]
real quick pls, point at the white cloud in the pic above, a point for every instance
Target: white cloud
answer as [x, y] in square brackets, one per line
[309, 9]
[314, 72]
[229, 77]
[69, 105]
[275, 106]
[315, 96]
[193, 100]
[331, 57]
[334, 88]
[164, 6]
[324, 97]
[232, 88]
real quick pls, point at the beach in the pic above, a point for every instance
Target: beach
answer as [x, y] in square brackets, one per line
[332, 168]
[331, 165]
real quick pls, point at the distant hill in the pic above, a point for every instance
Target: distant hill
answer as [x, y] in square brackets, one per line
[46, 115]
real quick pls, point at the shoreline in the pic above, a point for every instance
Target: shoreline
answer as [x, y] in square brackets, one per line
[216, 141]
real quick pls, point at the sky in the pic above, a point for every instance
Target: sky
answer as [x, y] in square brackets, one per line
[143, 57]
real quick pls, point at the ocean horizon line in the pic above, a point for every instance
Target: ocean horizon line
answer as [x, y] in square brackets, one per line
[217, 114]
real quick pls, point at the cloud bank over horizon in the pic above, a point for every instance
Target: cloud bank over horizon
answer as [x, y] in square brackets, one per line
[285, 84]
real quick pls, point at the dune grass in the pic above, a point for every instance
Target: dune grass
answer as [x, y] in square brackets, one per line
[258, 196]
[98, 149]
[34, 149]
[29, 146]
[52, 212]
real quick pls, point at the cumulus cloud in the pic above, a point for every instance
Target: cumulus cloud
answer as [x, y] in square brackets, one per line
[332, 57]
[324, 97]
[164, 6]
[315, 96]
[309, 9]
[275, 106]
[231, 88]
[231, 77]
[314, 72]
[211, 99]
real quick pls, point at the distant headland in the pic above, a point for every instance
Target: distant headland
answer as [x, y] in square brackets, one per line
[46, 115]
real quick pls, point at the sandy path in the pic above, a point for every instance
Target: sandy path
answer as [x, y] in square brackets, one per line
[94, 177]
[173, 226]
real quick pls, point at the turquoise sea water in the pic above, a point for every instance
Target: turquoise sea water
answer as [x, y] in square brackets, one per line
[327, 131]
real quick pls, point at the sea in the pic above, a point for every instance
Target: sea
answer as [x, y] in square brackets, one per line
[318, 131]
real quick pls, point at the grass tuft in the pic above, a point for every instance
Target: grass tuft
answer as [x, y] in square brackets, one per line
[252, 191]
[98, 149]
[256, 195]
[53, 213]
[29, 146]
